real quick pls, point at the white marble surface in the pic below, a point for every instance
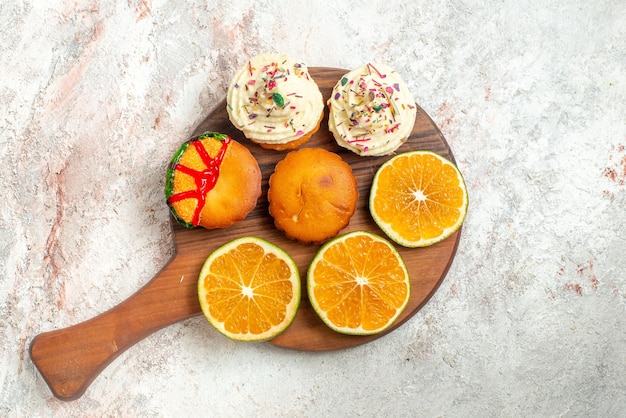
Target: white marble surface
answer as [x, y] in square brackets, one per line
[95, 95]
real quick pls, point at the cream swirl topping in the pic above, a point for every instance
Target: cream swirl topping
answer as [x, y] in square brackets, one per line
[273, 99]
[372, 111]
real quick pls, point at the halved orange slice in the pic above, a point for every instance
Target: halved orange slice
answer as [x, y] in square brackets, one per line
[249, 289]
[418, 198]
[358, 283]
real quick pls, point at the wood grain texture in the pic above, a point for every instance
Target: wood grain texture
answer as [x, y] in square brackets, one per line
[70, 359]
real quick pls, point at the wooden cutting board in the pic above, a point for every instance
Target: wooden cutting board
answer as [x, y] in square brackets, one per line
[70, 359]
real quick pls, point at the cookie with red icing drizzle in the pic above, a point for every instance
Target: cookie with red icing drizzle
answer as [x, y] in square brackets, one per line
[212, 181]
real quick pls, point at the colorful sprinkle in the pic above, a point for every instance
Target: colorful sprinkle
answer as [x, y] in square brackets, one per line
[278, 99]
[370, 67]
[393, 128]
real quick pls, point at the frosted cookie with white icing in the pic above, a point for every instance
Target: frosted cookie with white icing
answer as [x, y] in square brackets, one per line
[372, 111]
[275, 102]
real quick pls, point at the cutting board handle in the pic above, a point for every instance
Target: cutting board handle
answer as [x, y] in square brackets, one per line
[69, 359]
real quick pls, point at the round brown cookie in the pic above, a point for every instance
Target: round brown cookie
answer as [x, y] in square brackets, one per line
[312, 195]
